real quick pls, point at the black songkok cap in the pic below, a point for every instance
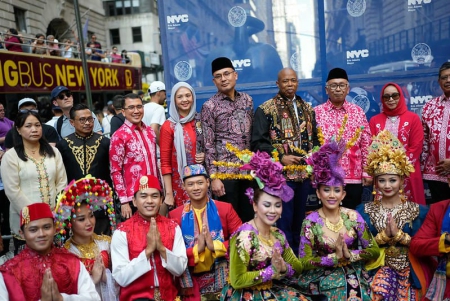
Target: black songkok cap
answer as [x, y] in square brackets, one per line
[337, 73]
[220, 63]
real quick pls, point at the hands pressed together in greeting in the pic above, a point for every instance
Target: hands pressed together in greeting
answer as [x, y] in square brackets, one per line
[391, 226]
[49, 288]
[204, 240]
[341, 248]
[154, 242]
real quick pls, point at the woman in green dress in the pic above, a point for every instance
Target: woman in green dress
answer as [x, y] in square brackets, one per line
[259, 252]
[335, 242]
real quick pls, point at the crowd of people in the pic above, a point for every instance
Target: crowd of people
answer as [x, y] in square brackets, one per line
[211, 205]
[11, 40]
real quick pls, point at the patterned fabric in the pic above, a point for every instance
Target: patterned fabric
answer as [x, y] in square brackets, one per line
[132, 154]
[436, 138]
[428, 244]
[329, 119]
[395, 277]
[325, 274]
[407, 128]
[276, 126]
[225, 120]
[190, 227]
[193, 141]
[28, 267]
[101, 245]
[85, 155]
[249, 258]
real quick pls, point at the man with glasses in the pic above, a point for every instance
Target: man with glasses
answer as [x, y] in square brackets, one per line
[330, 116]
[435, 159]
[86, 153]
[227, 117]
[132, 152]
[288, 124]
[62, 97]
[49, 132]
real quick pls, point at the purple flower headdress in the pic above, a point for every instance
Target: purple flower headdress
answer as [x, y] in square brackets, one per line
[324, 164]
[269, 177]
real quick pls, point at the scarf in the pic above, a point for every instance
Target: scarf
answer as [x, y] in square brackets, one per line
[190, 230]
[437, 286]
[175, 118]
[401, 106]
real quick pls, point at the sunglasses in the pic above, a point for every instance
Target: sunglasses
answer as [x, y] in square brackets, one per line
[395, 96]
[22, 111]
[67, 94]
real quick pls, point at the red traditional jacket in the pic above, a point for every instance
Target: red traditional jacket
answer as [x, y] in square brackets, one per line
[28, 267]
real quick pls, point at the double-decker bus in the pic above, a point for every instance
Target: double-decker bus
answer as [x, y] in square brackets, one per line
[30, 75]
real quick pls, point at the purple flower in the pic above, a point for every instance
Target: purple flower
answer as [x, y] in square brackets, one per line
[250, 193]
[277, 246]
[327, 261]
[322, 176]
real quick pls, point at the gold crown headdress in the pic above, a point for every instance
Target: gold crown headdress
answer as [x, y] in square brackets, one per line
[387, 156]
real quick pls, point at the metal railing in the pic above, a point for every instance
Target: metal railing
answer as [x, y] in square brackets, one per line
[76, 47]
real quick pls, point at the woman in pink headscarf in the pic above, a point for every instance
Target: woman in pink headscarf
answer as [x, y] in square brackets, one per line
[407, 126]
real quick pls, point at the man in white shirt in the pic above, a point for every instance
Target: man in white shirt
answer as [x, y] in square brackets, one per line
[57, 112]
[154, 114]
[147, 250]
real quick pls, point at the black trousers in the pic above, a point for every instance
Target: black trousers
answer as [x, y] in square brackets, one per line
[439, 191]
[235, 195]
[4, 225]
[353, 195]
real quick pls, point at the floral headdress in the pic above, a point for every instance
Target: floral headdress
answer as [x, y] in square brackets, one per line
[324, 165]
[387, 156]
[268, 174]
[96, 193]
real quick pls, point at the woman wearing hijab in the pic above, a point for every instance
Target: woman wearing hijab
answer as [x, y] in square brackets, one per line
[180, 142]
[407, 127]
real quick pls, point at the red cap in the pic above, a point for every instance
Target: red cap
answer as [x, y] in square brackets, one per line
[34, 212]
[147, 182]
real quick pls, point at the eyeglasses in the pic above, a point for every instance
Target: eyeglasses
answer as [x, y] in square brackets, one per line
[26, 111]
[83, 120]
[132, 108]
[394, 96]
[226, 75]
[335, 86]
[67, 94]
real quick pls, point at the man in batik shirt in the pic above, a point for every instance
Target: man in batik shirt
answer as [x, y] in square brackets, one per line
[330, 116]
[132, 152]
[227, 117]
[435, 159]
[288, 124]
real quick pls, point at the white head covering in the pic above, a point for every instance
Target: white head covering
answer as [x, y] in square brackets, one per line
[175, 118]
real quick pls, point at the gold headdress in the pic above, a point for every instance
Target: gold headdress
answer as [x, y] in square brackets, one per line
[387, 156]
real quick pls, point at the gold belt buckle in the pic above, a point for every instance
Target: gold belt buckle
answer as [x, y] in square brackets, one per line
[393, 251]
[157, 295]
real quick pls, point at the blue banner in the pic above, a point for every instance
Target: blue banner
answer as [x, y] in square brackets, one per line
[376, 41]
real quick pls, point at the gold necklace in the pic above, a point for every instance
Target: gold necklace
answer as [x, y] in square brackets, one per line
[334, 227]
[88, 251]
[265, 240]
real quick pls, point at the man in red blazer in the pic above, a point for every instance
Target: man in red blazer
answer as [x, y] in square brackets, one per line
[433, 239]
[206, 225]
